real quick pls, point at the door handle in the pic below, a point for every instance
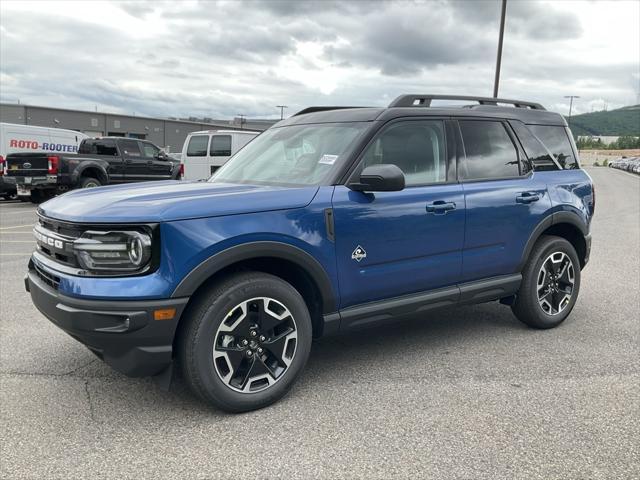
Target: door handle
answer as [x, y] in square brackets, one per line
[440, 207]
[127, 161]
[150, 162]
[527, 197]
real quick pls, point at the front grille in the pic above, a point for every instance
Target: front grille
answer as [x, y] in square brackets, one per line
[54, 240]
[48, 278]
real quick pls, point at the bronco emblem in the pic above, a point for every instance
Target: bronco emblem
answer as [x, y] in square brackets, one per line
[358, 254]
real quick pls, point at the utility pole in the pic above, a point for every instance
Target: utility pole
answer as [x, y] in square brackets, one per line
[281, 107]
[242, 120]
[570, 106]
[496, 82]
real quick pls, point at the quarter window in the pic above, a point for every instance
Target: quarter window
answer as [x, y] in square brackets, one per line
[536, 152]
[490, 153]
[221, 145]
[556, 140]
[198, 146]
[417, 148]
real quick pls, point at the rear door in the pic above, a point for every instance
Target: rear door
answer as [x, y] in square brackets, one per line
[219, 151]
[195, 159]
[135, 166]
[505, 199]
[105, 149]
[158, 168]
[390, 244]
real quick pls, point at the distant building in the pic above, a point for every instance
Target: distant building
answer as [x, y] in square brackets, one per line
[168, 133]
[604, 139]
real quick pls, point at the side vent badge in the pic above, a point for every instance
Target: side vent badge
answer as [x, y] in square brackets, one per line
[358, 254]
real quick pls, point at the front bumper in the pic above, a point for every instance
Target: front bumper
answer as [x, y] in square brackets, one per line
[123, 333]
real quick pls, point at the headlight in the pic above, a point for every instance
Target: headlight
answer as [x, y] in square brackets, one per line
[113, 251]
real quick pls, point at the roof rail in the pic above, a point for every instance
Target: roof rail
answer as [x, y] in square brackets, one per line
[411, 100]
[320, 109]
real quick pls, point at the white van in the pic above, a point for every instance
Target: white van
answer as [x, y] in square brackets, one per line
[16, 138]
[204, 152]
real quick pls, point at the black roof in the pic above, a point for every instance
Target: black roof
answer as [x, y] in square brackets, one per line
[419, 105]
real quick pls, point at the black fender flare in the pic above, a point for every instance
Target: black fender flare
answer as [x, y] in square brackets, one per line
[83, 165]
[553, 219]
[247, 251]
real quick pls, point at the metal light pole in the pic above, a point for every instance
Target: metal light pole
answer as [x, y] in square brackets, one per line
[242, 120]
[281, 107]
[571, 106]
[496, 82]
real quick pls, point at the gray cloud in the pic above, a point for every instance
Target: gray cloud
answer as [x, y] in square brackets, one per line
[224, 58]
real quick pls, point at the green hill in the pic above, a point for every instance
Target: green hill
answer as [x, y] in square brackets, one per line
[623, 121]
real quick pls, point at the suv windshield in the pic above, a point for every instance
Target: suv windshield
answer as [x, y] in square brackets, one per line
[296, 155]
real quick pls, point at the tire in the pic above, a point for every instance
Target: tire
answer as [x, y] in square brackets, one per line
[89, 182]
[215, 326]
[542, 300]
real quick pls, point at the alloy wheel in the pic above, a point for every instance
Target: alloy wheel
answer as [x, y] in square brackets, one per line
[255, 344]
[556, 280]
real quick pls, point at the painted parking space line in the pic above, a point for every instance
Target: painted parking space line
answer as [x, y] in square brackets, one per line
[15, 226]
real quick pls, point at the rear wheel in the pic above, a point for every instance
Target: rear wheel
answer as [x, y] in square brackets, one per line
[550, 284]
[89, 182]
[245, 342]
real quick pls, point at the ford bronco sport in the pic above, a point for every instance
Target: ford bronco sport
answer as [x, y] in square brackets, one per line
[332, 220]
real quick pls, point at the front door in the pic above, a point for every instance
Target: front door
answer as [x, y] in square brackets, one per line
[390, 244]
[158, 167]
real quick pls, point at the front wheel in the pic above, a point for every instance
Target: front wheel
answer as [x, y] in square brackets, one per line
[245, 342]
[550, 284]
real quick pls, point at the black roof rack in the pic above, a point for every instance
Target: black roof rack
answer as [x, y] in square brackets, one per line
[320, 109]
[411, 100]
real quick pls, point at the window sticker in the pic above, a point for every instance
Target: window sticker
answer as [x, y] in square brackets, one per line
[328, 159]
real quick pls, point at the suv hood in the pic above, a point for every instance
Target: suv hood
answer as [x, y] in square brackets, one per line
[171, 200]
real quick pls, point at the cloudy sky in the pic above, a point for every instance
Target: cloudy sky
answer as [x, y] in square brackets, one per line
[218, 59]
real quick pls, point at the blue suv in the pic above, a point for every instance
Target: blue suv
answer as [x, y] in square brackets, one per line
[332, 220]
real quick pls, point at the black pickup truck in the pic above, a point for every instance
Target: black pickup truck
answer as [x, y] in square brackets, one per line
[99, 161]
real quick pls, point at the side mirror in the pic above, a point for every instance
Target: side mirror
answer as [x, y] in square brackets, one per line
[380, 178]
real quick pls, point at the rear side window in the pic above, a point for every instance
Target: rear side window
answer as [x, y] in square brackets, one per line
[130, 148]
[557, 141]
[98, 147]
[221, 145]
[198, 146]
[536, 152]
[490, 153]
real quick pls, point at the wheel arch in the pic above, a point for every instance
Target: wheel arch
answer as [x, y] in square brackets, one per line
[93, 170]
[566, 225]
[290, 263]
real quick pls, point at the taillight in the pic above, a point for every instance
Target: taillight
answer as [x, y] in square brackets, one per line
[181, 170]
[593, 199]
[53, 165]
[3, 165]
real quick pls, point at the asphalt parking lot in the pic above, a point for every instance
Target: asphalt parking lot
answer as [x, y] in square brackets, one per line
[464, 393]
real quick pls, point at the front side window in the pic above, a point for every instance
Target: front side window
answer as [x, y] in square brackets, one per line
[198, 146]
[130, 148]
[149, 150]
[220, 146]
[295, 155]
[555, 138]
[490, 153]
[416, 147]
